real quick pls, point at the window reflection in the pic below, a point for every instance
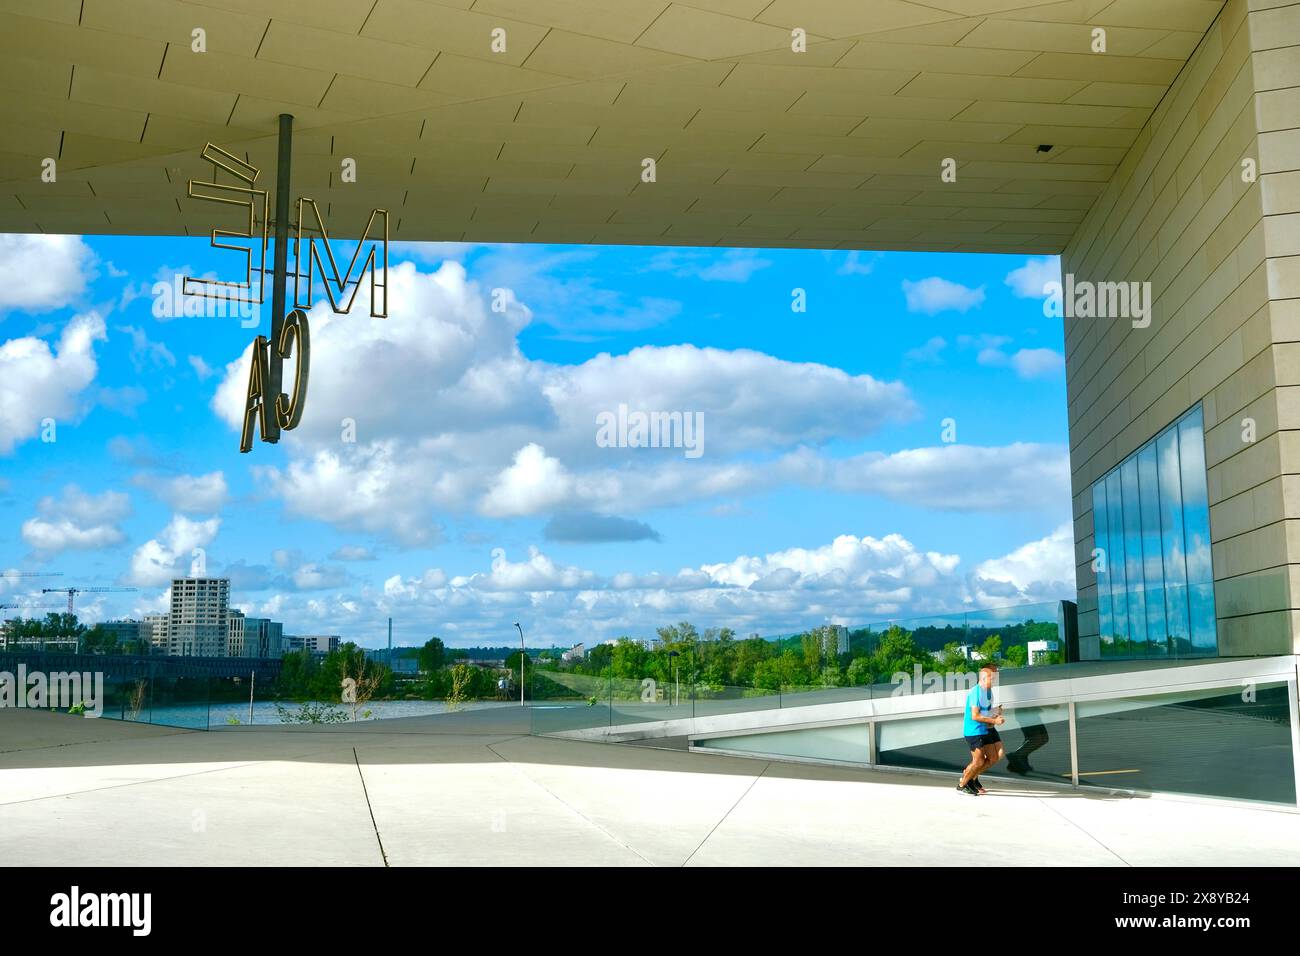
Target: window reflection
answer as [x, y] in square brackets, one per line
[1151, 518]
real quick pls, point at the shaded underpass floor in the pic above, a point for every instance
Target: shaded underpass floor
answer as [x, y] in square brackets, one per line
[475, 789]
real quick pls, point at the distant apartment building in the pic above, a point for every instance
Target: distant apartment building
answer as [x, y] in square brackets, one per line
[235, 633]
[198, 625]
[263, 637]
[124, 631]
[316, 643]
[575, 653]
[129, 631]
[1041, 651]
[153, 629]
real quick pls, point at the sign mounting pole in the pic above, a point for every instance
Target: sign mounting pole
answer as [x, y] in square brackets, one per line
[275, 364]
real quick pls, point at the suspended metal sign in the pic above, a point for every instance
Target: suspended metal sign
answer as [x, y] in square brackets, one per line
[267, 409]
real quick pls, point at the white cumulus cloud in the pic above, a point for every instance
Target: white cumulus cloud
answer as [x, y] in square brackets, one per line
[934, 295]
[170, 554]
[39, 273]
[76, 521]
[39, 383]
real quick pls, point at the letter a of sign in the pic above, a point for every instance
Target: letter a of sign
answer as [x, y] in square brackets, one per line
[255, 405]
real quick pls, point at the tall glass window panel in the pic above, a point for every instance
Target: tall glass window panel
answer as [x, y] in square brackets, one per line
[1115, 565]
[1151, 516]
[1101, 542]
[1178, 635]
[1196, 534]
[1137, 615]
[1152, 553]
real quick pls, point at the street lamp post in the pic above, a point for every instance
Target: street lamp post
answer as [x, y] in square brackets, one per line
[677, 684]
[521, 664]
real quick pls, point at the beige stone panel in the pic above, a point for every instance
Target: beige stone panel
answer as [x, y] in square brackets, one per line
[142, 213]
[1284, 278]
[1227, 437]
[35, 112]
[61, 11]
[343, 16]
[1278, 109]
[1057, 114]
[574, 55]
[1253, 465]
[950, 132]
[1262, 591]
[999, 33]
[834, 19]
[442, 120]
[1109, 157]
[226, 31]
[1280, 193]
[636, 96]
[1137, 95]
[710, 36]
[1273, 28]
[672, 115]
[781, 169]
[1177, 45]
[1282, 234]
[429, 27]
[1286, 363]
[622, 20]
[797, 124]
[1096, 67]
[1258, 634]
[361, 96]
[938, 59]
[845, 82]
[455, 74]
[1284, 320]
[820, 52]
[1255, 550]
[1277, 69]
[53, 42]
[44, 77]
[1260, 506]
[587, 93]
[1013, 88]
[1279, 151]
[256, 77]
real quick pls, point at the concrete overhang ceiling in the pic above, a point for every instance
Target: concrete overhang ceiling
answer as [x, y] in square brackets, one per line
[755, 145]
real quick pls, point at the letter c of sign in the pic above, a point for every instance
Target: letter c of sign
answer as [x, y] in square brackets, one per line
[295, 329]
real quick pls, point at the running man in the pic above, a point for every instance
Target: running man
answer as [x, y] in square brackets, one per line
[979, 728]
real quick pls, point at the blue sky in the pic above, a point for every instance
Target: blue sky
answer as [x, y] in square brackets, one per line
[475, 493]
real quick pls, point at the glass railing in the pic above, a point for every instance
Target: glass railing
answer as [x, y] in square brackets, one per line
[1217, 741]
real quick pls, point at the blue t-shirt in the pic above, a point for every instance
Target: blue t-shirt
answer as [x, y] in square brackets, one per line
[983, 699]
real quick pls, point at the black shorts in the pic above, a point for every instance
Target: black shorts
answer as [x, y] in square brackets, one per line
[976, 741]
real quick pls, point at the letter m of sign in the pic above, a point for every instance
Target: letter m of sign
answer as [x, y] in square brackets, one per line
[336, 286]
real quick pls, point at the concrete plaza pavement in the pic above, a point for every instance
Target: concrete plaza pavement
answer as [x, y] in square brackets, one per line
[475, 789]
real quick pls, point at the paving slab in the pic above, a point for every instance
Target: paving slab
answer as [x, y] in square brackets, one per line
[475, 789]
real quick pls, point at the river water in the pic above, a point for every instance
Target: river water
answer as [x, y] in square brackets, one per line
[220, 714]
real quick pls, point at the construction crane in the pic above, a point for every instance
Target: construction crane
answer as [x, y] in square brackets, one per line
[73, 592]
[31, 574]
